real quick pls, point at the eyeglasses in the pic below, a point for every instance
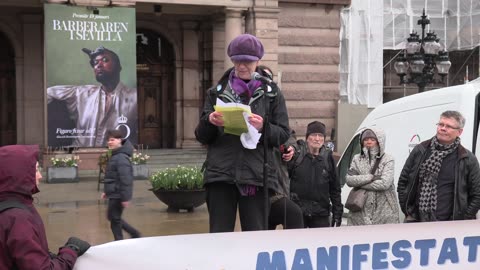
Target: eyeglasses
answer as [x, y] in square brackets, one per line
[442, 125]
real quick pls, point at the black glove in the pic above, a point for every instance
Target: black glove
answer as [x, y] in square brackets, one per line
[77, 245]
[336, 222]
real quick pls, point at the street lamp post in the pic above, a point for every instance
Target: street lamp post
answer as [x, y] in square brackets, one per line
[421, 57]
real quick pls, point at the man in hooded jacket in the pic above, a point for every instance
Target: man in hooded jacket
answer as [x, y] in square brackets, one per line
[23, 242]
[118, 184]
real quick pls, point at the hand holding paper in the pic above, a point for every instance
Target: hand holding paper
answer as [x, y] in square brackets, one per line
[250, 139]
[232, 115]
[216, 118]
[256, 121]
[237, 119]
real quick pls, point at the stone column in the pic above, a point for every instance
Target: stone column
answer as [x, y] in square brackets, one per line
[19, 99]
[179, 103]
[266, 29]
[218, 47]
[233, 28]
[191, 84]
[34, 124]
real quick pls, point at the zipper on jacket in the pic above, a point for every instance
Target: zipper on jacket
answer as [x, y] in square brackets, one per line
[455, 188]
[226, 95]
[455, 192]
[415, 180]
[256, 95]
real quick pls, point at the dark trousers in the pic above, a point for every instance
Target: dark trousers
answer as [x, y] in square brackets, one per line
[223, 200]
[287, 213]
[114, 215]
[316, 221]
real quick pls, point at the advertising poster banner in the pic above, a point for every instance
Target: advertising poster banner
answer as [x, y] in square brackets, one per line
[90, 56]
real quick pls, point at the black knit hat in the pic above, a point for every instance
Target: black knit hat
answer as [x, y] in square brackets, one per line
[315, 127]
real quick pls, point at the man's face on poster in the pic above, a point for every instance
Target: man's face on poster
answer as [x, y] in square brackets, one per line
[105, 67]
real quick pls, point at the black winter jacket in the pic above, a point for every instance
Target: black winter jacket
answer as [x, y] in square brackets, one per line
[227, 160]
[314, 182]
[467, 183]
[118, 183]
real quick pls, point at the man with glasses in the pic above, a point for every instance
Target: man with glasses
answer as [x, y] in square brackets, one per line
[441, 179]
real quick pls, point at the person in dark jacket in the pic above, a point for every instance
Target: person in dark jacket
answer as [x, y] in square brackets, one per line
[441, 179]
[23, 242]
[118, 184]
[282, 210]
[314, 183]
[234, 174]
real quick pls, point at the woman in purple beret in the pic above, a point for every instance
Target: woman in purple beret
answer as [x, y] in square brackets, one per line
[233, 173]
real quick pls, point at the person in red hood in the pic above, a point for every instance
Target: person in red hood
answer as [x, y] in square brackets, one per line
[23, 242]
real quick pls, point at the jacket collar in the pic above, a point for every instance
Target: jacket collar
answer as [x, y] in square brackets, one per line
[462, 151]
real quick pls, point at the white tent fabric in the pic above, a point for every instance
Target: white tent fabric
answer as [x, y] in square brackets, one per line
[366, 31]
[361, 53]
[456, 22]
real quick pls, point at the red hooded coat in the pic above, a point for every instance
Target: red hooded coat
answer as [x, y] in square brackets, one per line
[23, 242]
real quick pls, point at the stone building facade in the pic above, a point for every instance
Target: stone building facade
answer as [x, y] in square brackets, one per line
[301, 39]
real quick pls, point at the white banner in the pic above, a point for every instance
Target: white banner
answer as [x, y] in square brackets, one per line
[439, 245]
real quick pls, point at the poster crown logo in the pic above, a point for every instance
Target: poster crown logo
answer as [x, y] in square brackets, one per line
[122, 119]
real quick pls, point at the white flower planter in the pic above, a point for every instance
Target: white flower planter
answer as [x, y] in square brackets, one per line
[62, 174]
[140, 171]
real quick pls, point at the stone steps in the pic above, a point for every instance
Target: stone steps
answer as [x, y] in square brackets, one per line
[164, 158]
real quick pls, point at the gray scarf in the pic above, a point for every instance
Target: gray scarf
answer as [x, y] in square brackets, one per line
[429, 169]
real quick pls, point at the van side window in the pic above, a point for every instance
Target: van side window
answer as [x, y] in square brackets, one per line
[344, 164]
[476, 127]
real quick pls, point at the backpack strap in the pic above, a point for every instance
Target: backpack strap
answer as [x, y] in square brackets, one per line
[325, 153]
[5, 205]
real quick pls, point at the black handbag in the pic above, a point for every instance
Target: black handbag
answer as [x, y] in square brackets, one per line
[357, 196]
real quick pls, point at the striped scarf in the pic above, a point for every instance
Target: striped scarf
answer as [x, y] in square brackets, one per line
[428, 176]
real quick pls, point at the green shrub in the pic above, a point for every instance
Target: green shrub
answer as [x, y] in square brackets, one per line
[179, 178]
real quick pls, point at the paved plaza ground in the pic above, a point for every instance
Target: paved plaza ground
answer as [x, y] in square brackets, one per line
[75, 209]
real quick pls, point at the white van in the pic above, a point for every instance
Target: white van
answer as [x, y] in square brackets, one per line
[410, 120]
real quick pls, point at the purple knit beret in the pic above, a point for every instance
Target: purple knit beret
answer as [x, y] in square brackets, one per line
[245, 48]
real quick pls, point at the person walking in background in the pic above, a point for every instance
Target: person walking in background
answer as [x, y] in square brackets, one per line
[441, 179]
[314, 182]
[23, 241]
[373, 171]
[118, 184]
[234, 174]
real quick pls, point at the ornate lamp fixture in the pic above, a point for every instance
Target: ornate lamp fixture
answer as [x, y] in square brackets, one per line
[421, 57]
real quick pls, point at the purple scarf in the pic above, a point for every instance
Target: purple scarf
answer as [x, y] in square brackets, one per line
[240, 87]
